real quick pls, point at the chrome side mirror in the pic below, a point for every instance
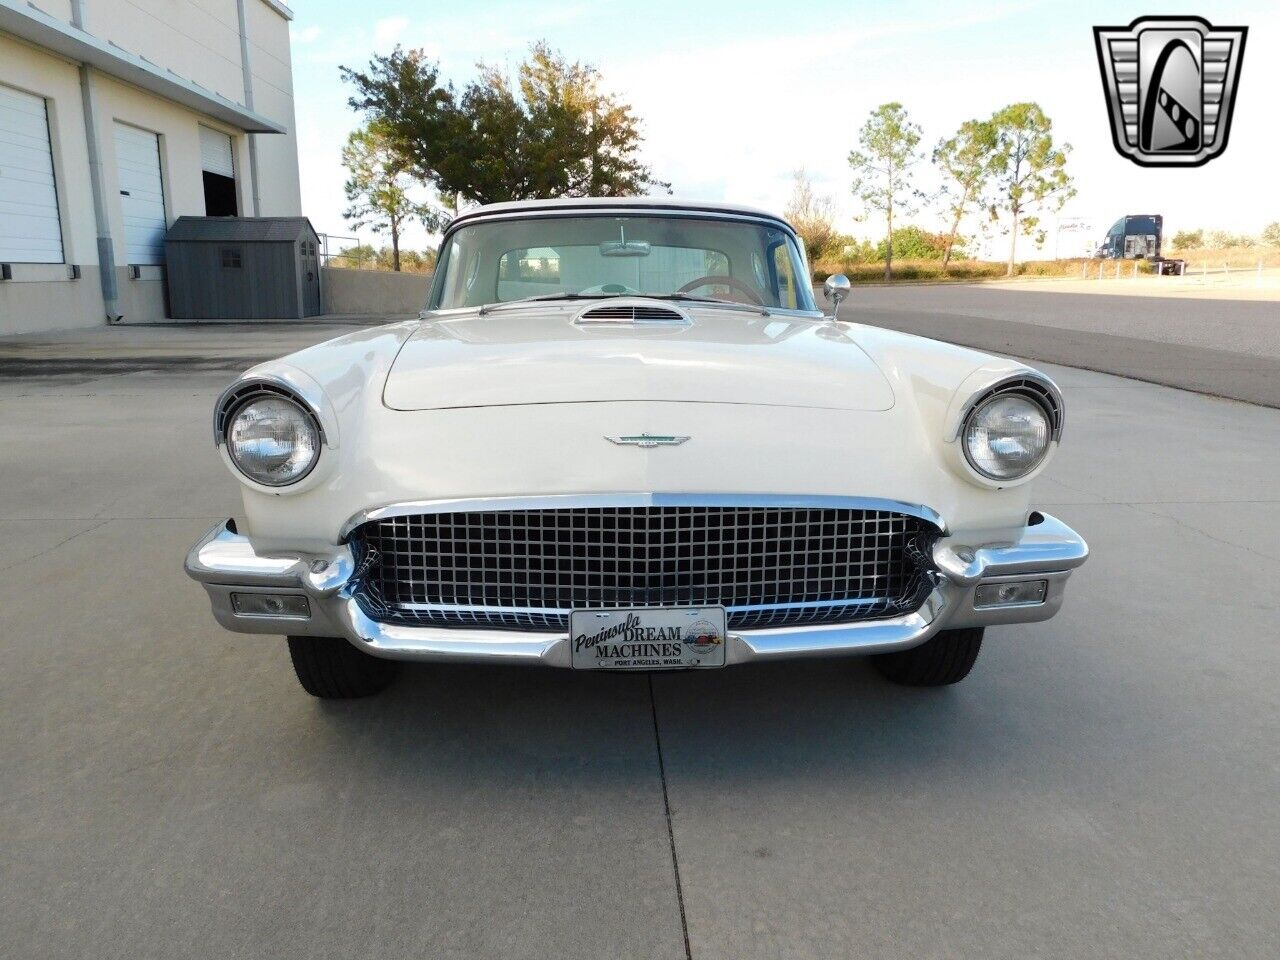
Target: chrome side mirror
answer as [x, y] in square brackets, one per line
[836, 289]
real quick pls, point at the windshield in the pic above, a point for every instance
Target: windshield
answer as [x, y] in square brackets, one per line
[603, 256]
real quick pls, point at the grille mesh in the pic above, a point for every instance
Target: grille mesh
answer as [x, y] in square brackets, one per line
[526, 569]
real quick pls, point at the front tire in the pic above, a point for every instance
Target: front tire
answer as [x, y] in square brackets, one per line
[941, 660]
[332, 669]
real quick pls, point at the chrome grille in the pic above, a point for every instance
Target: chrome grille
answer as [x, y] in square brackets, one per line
[526, 569]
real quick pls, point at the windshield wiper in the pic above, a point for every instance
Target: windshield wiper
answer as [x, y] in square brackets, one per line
[692, 297]
[486, 308]
[764, 311]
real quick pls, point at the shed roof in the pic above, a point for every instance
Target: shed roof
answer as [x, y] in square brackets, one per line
[239, 229]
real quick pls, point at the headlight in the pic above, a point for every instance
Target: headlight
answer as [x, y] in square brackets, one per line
[273, 441]
[1007, 436]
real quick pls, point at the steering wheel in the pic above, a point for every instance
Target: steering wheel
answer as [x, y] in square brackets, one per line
[741, 286]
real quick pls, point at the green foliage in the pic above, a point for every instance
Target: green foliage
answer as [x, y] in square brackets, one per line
[1271, 234]
[912, 243]
[361, 257]
[1030, 172]
[914, 270]
[552, 133]
[961, 270]
[966, 161]
[377, 187]
[1187, 240]
[1222, 239]
[846, 249]
[367, 257]
[813, 217]
[882, 168]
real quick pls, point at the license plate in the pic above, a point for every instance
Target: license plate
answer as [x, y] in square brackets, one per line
[649, 638]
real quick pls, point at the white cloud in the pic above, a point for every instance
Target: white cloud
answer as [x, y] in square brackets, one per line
[305, 34]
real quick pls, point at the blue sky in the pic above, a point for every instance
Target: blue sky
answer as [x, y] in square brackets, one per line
[734, 96]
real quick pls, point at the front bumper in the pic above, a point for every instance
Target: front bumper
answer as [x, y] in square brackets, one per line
[226, 563]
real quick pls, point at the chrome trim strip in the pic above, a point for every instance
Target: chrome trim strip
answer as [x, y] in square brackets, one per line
[560, 612]
[451, 313]
[569, 501]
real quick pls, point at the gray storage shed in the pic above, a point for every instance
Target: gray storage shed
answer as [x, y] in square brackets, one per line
[243, 268]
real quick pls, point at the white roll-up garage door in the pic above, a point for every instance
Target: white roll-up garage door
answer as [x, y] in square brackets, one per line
[215, 153]
[29, 228]
[141, 193]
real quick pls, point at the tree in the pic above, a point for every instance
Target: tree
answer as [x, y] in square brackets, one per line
[813, 217]
[1271, 234]
[1188, 240]
[882, 168]
[367, 257]
[1221, 239]
[1030, 171]
[360, 257]
[378, 189]
[912, 243]
[551, 133]
[965, 160]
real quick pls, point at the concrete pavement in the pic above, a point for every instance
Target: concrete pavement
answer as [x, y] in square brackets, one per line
[1227, 348]
[1103, 785]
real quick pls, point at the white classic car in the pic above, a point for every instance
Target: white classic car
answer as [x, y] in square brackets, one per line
[623, 437]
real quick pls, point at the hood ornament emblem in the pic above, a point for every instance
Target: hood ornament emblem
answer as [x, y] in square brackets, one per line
[647, 440]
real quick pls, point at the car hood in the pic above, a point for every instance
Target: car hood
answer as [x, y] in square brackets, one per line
[540, 353]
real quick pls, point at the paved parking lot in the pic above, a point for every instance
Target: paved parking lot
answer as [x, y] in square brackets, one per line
[1103, 785]
[1179, 338]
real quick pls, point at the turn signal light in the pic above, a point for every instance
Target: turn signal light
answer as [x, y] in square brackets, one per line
[1011, 594]
[287, 606]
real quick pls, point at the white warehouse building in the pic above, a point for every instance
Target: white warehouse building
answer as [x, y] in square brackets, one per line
[116, 118]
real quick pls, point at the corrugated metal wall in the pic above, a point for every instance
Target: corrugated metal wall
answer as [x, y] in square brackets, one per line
[141, 193]
[30, 231]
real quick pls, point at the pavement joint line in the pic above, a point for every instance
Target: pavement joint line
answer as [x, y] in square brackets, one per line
[1204, 533]
[48, 550]
[666, 807]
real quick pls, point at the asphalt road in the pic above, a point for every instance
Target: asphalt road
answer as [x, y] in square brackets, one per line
[1103, 785]
[1224, 347]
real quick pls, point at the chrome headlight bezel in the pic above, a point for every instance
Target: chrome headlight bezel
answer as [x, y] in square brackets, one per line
[242, 394]
[303, 426]
[1026, 384]
[1027, 403]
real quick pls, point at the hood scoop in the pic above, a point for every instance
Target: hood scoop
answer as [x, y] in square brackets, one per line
[636, 351]
[633, 312]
